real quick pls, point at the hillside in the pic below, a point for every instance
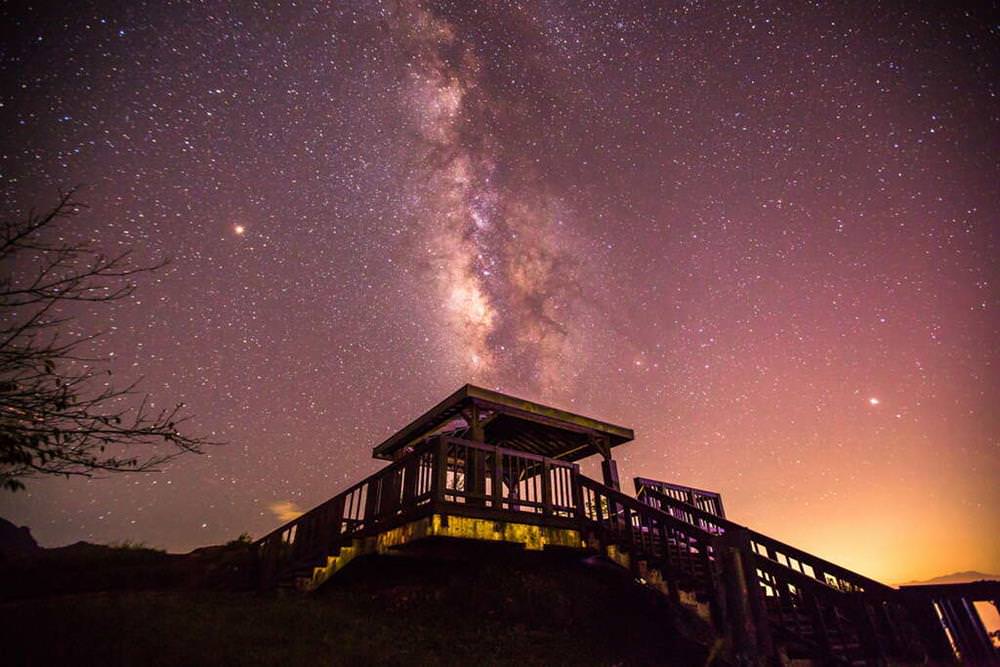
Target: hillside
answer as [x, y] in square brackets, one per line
[956, 578]
[467, 606]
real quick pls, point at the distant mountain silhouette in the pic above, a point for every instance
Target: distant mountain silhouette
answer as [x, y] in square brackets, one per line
[956, 578]
[16, 541]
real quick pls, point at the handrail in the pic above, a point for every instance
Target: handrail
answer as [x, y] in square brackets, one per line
[720, 524]
[647, 481]
[635, 505]
[395, 466]
[674, 514]
[381, 473]
[684, 552]
[694, 496]
[819, 565]
[505, 482]
[704, 542]
[440, 474]
[339, 499]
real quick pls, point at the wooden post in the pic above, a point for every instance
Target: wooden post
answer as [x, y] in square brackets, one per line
[513, 482]
[475, 476]
[410, 472]
[613, 517]
[762, 623]
[390, 485]
[439, 479]
[475, 464]
[868, 633]
[497, 483]
[745, 602]
[469, 471]
[336, 522]
[372, 493]
[669, 564]
[609, 467]
[475, 427]
[820, 630]
[546, 487]
[577, 491]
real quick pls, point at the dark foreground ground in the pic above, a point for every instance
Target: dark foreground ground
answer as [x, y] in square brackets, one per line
[445, 607]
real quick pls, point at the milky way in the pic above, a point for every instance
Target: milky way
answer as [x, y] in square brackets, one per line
[762, 235]
[500, 249]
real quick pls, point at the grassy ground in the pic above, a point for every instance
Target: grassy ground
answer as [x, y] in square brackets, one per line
[501, 608]
[227, 629]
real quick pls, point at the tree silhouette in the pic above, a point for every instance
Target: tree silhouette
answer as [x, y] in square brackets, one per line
[59, 411]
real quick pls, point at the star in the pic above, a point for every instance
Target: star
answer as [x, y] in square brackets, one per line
[564, 203]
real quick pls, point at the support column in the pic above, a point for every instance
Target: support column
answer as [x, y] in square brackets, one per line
[475, 476]
[739, 611]
[475, 426]
[745, 598]
[609, 467]
[475, 460]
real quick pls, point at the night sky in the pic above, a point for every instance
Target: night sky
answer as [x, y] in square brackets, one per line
[763, 235]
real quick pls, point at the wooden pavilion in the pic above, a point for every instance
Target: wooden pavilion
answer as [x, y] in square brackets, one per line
[496, 419]
[485, 466]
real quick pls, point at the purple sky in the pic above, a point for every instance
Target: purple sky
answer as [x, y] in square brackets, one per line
[728, 227]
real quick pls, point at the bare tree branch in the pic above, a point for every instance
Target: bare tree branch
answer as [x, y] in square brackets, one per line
[57, 415]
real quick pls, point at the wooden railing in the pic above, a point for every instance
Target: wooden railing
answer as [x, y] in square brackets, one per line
[457, 476]
[762, 546]
[686, 554]
[506, 481]
[823, 608]
[397, 493]
[441, 475]
[707, 501]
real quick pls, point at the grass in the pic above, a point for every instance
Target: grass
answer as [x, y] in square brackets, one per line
[499, 608]
[203, 628]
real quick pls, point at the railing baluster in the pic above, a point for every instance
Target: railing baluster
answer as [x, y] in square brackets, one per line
[409, 472]
[577, 493]
[497, 482]
[371, 501]
[439, 477]
[546, 488]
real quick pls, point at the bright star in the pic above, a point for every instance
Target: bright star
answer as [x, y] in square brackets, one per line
[239, 229]
[873, 401]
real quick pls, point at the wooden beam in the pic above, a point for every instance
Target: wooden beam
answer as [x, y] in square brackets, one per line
[524, 444]
[539, 444]
[601, 445]
[423, 425]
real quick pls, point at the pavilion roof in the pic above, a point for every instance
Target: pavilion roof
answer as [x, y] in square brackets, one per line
[511, 422]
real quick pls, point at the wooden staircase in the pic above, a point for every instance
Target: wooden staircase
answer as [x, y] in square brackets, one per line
[310, 574]
[804, 607]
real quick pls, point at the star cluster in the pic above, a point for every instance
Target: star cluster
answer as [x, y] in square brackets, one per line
[762, 234]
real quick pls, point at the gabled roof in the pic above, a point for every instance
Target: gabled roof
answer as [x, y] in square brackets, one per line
[514, 423]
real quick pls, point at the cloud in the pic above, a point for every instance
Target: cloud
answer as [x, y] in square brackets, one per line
[285, 510]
